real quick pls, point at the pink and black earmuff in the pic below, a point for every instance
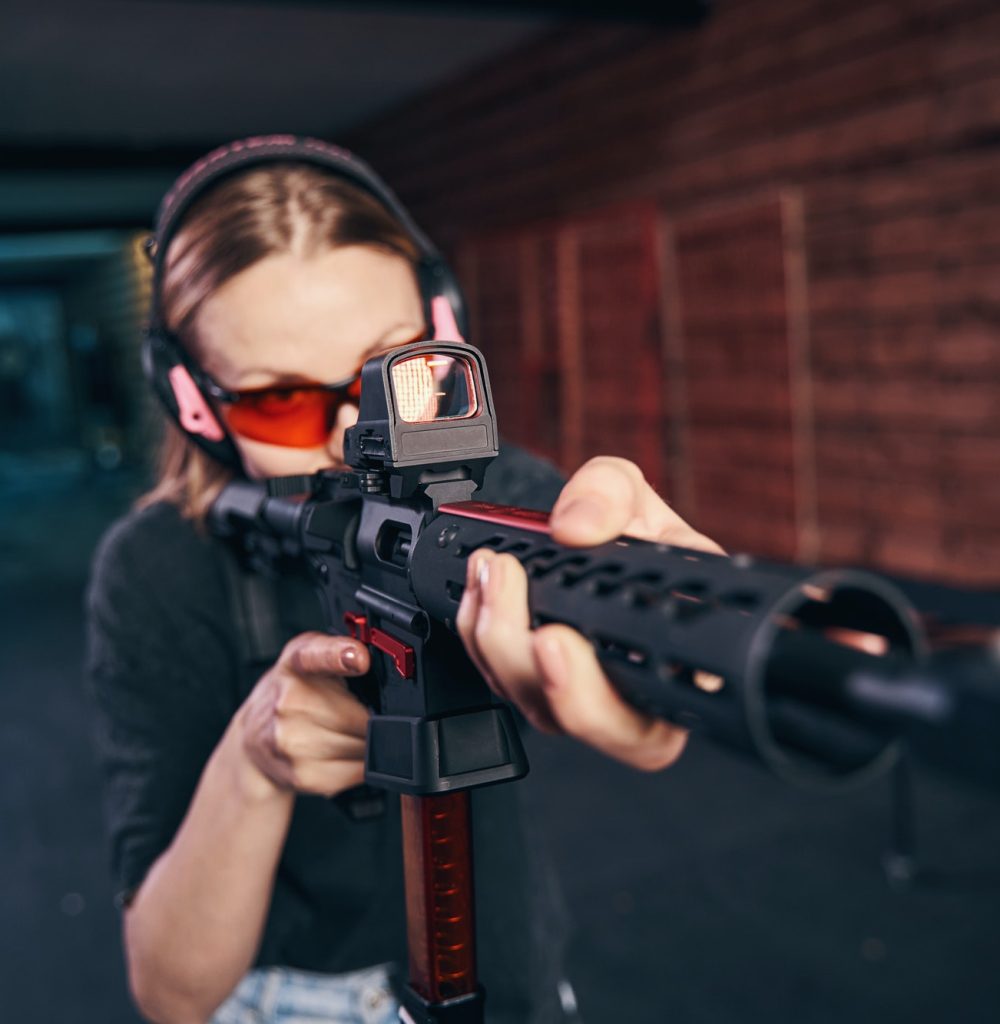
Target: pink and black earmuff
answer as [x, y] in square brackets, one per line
[171, 371]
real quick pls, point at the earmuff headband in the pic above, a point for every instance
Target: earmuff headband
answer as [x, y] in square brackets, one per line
[269, 149]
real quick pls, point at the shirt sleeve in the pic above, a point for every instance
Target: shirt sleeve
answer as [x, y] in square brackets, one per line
[161, 672]
[519, 478]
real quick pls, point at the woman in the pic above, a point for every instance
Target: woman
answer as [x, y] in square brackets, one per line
[248, 893]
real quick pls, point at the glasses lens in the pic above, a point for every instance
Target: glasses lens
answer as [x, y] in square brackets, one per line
[434, 387]
[294, 418]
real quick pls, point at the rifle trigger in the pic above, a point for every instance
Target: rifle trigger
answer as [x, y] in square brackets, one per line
[401, 653]
[358, 625]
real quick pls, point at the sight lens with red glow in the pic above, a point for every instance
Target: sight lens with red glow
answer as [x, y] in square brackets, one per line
[433, 387]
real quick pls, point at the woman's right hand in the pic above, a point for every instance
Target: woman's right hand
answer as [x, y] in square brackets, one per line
[194, 926]
[301, 727]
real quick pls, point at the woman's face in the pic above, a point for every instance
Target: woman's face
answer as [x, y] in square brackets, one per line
[293, 319]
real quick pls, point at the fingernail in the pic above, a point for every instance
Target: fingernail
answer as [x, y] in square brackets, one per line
[350, 658]
[553, 658]
[491, 577]
[472, 569]
[584, 512]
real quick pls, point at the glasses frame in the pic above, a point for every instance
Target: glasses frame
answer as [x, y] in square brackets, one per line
[229, 397]
[212, 389]
[342, 392]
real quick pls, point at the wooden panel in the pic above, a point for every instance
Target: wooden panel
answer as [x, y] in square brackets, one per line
[740, 402]
[511, 285]
[568, 313]
[620, 352]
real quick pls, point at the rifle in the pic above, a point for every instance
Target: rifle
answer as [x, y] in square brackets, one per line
[761, 656]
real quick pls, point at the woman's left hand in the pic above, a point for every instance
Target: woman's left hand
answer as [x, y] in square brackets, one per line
[552, 674]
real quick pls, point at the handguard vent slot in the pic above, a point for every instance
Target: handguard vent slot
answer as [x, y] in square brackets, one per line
[605, 587]
[517, 548]
[609, 647]
[538, 563]
[645, 590]
[744, 601]
[464, 550]
[564, 566]
[690, 600]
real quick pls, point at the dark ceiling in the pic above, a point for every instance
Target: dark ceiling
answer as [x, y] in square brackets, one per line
[175, 73]
[105, 100]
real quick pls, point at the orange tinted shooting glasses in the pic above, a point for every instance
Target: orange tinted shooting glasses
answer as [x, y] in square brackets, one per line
[290, 415]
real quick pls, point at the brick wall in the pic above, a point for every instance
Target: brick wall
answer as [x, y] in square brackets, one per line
[760, 257]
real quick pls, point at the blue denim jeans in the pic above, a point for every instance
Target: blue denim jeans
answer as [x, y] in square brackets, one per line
[277, 995]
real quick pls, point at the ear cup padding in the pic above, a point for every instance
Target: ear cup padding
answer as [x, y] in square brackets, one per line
[165, 368]
[193, 414]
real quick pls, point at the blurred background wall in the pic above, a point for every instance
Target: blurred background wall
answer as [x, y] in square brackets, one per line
[752, 245]
[774, 231]
[759, 257]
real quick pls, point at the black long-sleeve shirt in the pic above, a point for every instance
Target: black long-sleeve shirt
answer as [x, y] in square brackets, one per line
[167, 671]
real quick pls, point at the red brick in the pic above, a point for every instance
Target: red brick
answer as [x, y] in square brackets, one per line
[910, 550]
[970, 107]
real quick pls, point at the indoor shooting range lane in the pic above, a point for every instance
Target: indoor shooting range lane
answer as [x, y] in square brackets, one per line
[709, 893]
[60, 954]
[713, 893]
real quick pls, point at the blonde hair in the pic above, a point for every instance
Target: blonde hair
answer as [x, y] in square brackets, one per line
[284, 207]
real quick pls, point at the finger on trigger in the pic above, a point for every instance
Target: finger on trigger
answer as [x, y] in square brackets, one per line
[320, 654]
